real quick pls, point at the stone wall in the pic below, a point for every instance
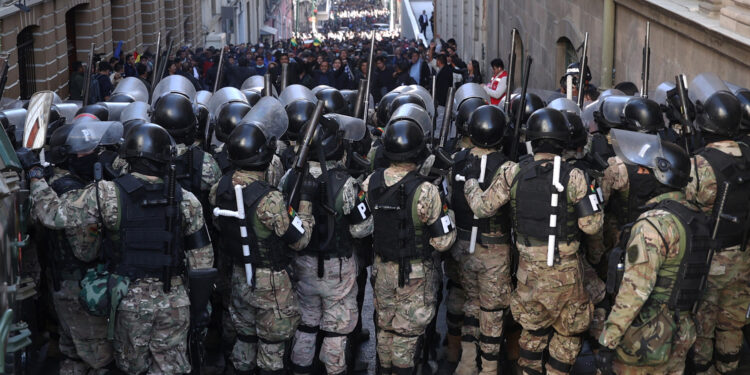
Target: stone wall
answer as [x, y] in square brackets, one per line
[101, 22]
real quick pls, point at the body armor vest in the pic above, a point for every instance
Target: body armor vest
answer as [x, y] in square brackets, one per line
[681, 279]
[139, 248]
[341, 244]
[600, 145]
[531, 192]
[66, 266]
[190, 169]
[266, 249]
[642, 186]
[222, 159]
[735, 170]
[464, 215]
[398, 235]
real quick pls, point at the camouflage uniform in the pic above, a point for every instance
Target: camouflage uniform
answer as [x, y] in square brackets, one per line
[328, 304]
[638, 344]
[721, 314]
[404, 312]
[83, 337]
[266, 314]
[549, 302]
[486, 279]
[151, 328]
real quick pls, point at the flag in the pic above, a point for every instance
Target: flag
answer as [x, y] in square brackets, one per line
[118, 49]
[294, 42]
[136, 56]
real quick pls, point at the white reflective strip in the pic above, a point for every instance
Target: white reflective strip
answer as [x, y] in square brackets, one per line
[553, 221]
[554, 200]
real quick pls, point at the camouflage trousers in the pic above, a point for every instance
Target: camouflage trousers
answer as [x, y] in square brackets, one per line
[151, 328]
[721, 313]
[83, 337]
[265, 316]
[456, 298]
[683, 340]
[487, 284]
[553, 308]
[596, 289]
[328, 306]
[403, 313]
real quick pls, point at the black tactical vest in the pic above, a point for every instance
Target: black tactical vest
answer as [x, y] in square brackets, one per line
[189, 168]
[735, 170]
[642, 186]
[600, 145]
[341, 244]
[532, 202]
[464, 215]
[222, 159]
[398, 235]
[139, 249]
[267, 250]
[66, 266]
[682, 279]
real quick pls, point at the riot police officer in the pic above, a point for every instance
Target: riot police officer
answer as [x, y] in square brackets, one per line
[149, 247]
[263, 308]
[484, 264]
[722, 165]
[657, 270]
[409, 220]
[549, 302]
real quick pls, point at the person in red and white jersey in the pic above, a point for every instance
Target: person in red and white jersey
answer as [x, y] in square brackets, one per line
[498, 84]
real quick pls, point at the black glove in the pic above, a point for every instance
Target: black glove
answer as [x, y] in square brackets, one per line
[473, 168]
[28, 158]
[309, 189]
[604, 359]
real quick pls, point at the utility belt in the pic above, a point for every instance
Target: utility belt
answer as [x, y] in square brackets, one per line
[405, 266]
[482, 238]
[148, 282]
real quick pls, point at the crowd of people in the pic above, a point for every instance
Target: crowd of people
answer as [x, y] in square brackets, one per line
[612, 233]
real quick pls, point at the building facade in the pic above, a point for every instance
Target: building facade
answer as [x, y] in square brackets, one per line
[687, 36]
[42, 44]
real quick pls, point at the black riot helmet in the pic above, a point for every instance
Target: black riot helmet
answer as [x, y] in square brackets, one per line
[384, 107]
[252, 96]
[299, 113]
[405, 98]
[720, 114]
[201, 116]
[578, 133]
[574, 69]
[643, 115]
[327, 139]
[669, 163]
[57, 153]
[533, 103]
[332, 99]
[744, 97]
[464, 112]
[174, 112]
[673, 166]
[248, 148]
[148, 141]
[229, 117]
[403, 140]
[97, 110]
[548, 123]
[487, 126]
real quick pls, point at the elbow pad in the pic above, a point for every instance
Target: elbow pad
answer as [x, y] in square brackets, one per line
[361, 211]
[295, 230]
[199, 239]
[442, 226]
[591, 203]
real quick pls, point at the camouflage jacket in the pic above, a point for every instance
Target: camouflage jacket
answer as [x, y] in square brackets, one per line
[79, 208]
[272, 209]
[615, 177]
[429, 202]
[654, 239]
[349, 196]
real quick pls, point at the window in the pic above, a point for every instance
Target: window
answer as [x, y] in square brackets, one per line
[566, 55]
[26, 76]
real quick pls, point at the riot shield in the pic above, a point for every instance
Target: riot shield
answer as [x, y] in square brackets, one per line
[133, 89]
[293, 93]
[254, 82]
[704, 85]
[202, 98]
[565, 105]
[587, 116]
[68, 110]
[115, 109]
[469, 90]
[319, 88]
[425, 95]
[173, 84]
[611, 92]
[269, 116]
[86, 136]
[224, 96]
[37, 119]
[352, 128]
[415, 113]
[636, 148]
[612, 108]
[546, 95]
[660, 93]
[135, 111]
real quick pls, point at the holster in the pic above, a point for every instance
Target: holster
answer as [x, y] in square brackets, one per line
[201, 283]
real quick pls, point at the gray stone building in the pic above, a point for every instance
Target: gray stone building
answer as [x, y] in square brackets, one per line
[687, 36]
[41, 44]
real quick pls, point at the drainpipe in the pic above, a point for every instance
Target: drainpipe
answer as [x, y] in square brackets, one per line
[608, 44]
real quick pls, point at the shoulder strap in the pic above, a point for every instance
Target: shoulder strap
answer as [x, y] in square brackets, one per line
[67, 183]
[129, 183]
[254, 192]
